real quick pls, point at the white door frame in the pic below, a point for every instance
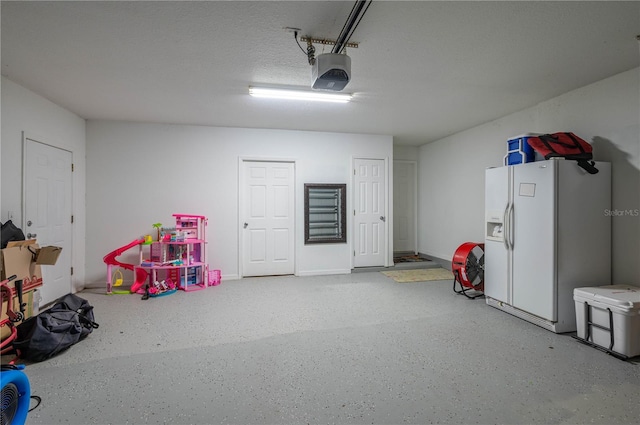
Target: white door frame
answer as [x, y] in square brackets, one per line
[241, 183]
[415, 200]
[388, 229]
[45, 141]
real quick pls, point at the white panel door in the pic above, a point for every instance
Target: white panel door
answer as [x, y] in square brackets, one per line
[267, 218]
[404, 206]
[47, 211]
[369, 221]
[533, 238]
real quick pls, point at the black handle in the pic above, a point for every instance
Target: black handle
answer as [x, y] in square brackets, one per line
[18, 287]
[588, 166]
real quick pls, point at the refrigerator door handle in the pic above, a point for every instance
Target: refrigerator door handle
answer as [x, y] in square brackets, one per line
[505, 227]
[510, 234]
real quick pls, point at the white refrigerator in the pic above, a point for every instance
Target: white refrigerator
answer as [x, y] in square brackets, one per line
[546, 233]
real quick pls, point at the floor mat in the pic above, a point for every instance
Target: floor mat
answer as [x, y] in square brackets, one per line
[419, 275]
[409, 259]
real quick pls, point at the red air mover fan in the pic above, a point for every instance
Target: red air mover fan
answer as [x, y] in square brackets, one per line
[468, 269]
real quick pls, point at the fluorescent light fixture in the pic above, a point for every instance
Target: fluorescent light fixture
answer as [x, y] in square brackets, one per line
[297, 94]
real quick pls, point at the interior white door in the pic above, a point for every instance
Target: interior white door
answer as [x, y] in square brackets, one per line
[268, 218]
[369, 221]
[47, 210]
[404, 206]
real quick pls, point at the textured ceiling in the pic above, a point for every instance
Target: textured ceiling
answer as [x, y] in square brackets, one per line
[423, 70]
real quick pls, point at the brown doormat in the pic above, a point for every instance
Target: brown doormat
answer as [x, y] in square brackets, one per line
[419, 275]
[410, 259]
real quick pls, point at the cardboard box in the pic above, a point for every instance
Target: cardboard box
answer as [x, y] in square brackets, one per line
[27, 298]
[18, 258]
[23, 259]
[48, 255]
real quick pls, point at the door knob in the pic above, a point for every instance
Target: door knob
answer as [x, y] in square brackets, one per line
[382, 218]
[29, 223]
[31, 235]
[245, 225]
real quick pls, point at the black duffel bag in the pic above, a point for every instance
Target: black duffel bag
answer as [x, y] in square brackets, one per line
[66, 323]
[8, 233]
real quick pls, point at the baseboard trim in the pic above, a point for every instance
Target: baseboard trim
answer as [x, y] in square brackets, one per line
[323, 272]
[444, 263]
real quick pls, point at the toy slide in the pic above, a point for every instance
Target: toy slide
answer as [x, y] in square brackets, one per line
[110, 261]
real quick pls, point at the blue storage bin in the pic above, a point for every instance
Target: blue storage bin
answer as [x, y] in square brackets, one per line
[519, 151]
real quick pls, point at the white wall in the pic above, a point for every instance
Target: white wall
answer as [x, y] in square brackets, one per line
[451, 187]
[25, 111]
[139, 174]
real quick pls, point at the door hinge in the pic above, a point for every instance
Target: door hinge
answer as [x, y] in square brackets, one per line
[354, 252]
[354, 171]
[72, 219]
[72, 167]
[71, 271]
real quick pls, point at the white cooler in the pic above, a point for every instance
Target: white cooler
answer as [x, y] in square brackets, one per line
[609, 316]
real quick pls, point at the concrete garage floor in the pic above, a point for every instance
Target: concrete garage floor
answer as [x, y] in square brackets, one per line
[345, 349]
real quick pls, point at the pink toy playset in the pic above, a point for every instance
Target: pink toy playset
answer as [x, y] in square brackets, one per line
[177, 260]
